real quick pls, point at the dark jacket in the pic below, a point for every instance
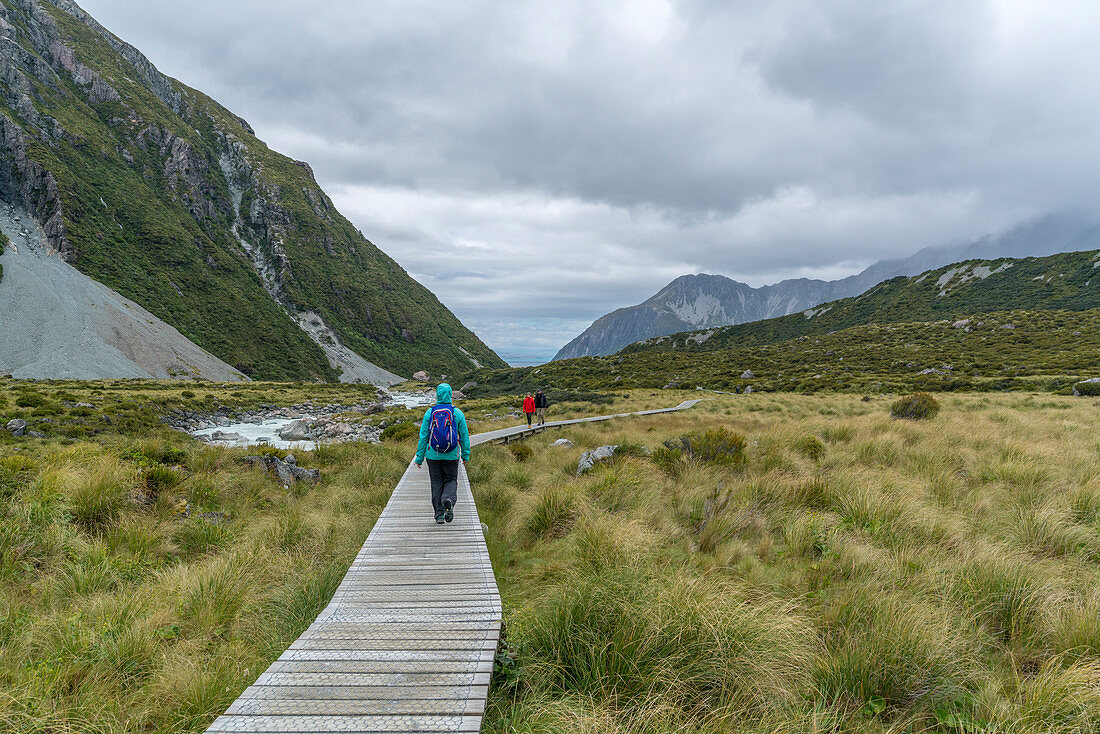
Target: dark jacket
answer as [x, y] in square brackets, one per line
[540, 400]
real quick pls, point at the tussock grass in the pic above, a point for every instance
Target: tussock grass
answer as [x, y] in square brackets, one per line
[850, 573]
[146, 579]
[854, 573]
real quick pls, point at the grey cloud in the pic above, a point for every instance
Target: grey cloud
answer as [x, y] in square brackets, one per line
[593, 151]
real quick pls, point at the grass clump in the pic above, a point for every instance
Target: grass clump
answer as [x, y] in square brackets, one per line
[98, 499]
[551, 515]
[625, 636]
[915, 407]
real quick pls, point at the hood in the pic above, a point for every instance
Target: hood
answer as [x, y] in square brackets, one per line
[443, 393]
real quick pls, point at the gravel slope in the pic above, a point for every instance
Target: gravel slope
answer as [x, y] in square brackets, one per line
[57, 323]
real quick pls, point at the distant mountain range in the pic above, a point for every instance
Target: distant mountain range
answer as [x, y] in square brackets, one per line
[158, 196]
[1065, 282]
[1001, 323]
[708, 301]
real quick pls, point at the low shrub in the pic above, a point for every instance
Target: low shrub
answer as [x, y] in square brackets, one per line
[31, 400]
[915, 407]
[812, 447]
[1088, 389]
[717, 446]
[400, 431]
[669, 459]
[520, 451]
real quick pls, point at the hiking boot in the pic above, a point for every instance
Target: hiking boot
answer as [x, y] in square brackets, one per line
[438, 519]
[448, 513]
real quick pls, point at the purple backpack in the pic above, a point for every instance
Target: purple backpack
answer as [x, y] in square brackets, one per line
[443, 435]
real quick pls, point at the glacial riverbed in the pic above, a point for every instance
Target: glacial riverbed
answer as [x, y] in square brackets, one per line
[263, 427]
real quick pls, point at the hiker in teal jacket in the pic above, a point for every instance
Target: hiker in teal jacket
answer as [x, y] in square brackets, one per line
[443, 467]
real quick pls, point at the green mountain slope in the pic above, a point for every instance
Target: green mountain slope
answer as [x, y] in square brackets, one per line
[165, 196]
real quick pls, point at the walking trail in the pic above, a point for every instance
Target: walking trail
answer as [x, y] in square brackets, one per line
[408, 640]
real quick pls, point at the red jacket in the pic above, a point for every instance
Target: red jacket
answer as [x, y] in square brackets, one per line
[528, 404]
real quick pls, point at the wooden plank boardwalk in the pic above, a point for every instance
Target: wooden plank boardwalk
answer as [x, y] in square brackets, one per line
[408, 640]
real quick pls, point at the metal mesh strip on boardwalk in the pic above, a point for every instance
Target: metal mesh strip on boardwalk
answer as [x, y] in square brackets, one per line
[407, 642]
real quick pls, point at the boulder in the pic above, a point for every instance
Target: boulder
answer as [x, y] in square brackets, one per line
[749, 390]
[35, 434]
[458, 395]
[285, 473]
[961, 324]
[747, 375]
[1010, 327]
[420, 376]
[233, 438]
[297, 430]
[590, 458]
[563, 443]
[17, 426]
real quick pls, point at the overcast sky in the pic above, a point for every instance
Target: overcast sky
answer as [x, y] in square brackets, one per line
[537, 164]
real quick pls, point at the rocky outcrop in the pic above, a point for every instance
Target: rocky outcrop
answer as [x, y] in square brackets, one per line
[16, 427]
[589, 459]
[286, 472]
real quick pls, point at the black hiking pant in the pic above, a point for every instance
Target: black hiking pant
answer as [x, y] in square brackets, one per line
[444, 476]
[529, 417]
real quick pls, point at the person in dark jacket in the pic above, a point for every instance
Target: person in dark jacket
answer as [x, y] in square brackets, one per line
[443, 466]
[529, 407]
[541, 403]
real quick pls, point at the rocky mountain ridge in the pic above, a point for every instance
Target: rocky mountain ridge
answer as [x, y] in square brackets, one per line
[164, 196]
[1065, 282]
[693, 302]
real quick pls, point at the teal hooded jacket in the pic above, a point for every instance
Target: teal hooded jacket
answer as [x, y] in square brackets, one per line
[443, 397]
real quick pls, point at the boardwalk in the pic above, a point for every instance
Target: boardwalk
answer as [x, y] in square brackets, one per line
[407, 642]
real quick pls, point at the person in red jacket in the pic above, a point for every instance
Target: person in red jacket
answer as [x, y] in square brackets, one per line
[529, 407]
